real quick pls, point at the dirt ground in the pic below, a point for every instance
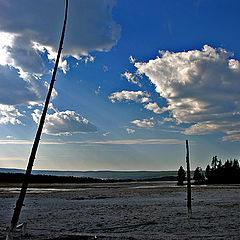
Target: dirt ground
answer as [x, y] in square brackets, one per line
[149, 210]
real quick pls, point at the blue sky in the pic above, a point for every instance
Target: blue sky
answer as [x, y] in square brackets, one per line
[137, 78]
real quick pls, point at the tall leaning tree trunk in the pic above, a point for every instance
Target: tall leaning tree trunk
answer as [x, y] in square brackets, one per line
[189, 197]
[19, 203]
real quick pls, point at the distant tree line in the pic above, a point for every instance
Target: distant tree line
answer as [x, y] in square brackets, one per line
[18, 178]
[215, 173]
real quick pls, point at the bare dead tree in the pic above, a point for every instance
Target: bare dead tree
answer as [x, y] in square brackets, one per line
[189, 197]
[19, 203]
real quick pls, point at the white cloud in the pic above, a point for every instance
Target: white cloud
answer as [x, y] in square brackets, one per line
[85, 59]
[89, 58]
[168, 119]
[137, 96]
[155, 108]
[145, 123]
[132, 59]
[130, 131]
[9, 114]
[131, 78]
[51, 55]
[64, 123]
[201, 87]
[6, 41]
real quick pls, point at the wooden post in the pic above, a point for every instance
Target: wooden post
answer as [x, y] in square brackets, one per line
[19, 203]
[189, 197]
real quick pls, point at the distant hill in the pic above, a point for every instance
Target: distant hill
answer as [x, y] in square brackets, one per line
[99, 174]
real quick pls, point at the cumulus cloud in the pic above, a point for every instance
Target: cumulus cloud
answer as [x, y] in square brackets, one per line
[155, 108]
[64, 123]
[9, 114]
[201, 87]
[6, 41]
[17, 85]
[145, 123]
[90, 24]
[14, 90]
[21, 68]
[137, 96]
[131, 78]
[35, 28]
[50, 54]
[29, 37]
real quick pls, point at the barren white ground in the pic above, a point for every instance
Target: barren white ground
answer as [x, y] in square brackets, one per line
[152, 210]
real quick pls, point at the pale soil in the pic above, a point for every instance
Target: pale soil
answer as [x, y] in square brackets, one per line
[126, 211]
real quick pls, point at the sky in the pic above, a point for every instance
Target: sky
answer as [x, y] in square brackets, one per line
[136, 79]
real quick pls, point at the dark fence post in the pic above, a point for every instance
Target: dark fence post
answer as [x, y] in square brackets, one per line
[189, 197]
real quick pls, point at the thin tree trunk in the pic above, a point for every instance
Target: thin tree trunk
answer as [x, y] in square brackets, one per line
[19, 203]
[189, 197]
